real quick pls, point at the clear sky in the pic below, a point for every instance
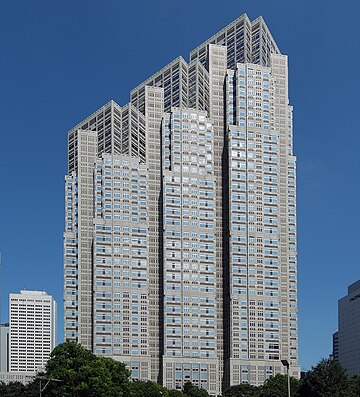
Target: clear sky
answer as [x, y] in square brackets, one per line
[62, 59]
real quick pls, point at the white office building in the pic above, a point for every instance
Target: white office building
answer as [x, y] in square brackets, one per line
[32, 330]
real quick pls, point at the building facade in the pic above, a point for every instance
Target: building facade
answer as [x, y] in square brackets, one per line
[335, 347]
[4, 347]
[32, 330]
[346, 345]
[218, 248]
[22, 377]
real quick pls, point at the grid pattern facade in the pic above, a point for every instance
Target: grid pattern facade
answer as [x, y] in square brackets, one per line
[262, 271]
[32, 330]
[71, 260]
[346, 340]
[78, 240]
[121, 310]
[173, 78]
[119, 130]
[221, 309]
[199, 92]
[190, 349]
[335, 346]
[246, 42]
[4, 347]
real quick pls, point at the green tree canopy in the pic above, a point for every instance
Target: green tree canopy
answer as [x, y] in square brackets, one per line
[355, 385]
[277, 386]
[327, 379]
[83, 374]
[242, 390]
[12, 389]
[176, 393]
[194, 391]
[141, 388]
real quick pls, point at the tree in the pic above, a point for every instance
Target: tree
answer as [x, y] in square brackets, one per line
[326, 379]
[355, 385]
[277, 386]
[12, 389]
[187, 387]
[242, 390]
[32, 388]
[194, 391]
[83, 374]
[119, 374]
[65, 363]
[141, 388]
[175, 393]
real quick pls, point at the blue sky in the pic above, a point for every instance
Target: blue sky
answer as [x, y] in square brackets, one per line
[61, 60]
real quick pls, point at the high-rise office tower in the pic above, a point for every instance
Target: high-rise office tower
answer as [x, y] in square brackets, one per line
[346, 345]
[32, 330]
[335, 346]
[4, 347]
[207, 291]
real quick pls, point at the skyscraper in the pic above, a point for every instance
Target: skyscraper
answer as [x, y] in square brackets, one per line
[346, 345]
[32, 330]
[4, 347]
[201, 161]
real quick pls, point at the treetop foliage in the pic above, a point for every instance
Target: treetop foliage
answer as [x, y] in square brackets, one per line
[76, 372]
